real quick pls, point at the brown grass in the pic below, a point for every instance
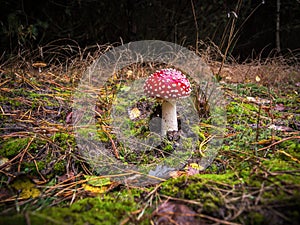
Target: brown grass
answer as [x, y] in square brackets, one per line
[66, 56]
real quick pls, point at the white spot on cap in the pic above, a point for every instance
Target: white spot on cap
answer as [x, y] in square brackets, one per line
[167, 83]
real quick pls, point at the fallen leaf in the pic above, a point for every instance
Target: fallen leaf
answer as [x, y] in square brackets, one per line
[129, 73]
[193, 168]
[279, 107]
[280, 128]
[69, 118]
[98, 185]
[134, 113]
[68, 176]
[3, 162]
[97, 181]
[259, 101]
[175, 174]
[161, 171]
[95, 190]
[125, 88]
[264, 142]
[175, 213]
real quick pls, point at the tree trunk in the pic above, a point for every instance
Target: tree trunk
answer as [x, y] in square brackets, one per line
[278, 26]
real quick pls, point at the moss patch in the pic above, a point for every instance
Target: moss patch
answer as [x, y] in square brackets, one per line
[99, 210]
[12, 146]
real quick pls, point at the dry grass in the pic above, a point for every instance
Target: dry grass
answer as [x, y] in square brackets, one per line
[271, 71]
[66, 62]
[66, 56]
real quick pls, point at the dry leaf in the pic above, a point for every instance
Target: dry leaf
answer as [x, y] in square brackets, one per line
[134, 113]
[97, 181]
[95, 190]
[175, 213]
[280, 128]
[98, 185]
[175, 174]
[264, 142]
[279, 107]
[259, 101]
[193, 168]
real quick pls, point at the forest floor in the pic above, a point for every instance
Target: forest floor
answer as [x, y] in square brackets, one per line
[254, 179]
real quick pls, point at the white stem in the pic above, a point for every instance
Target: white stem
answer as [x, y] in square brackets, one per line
[169, 117]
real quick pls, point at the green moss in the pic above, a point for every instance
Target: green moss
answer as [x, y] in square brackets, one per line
[277, 164]
[13, 220]
[196, 188]
[86, 132]
[250, 107]
[292, 146]
[252, 89]
[168, 147]
[211, 203]
[31, 166]
[187, 143]
[64, 140]
[228, 178]
[273, 195]
[59, 167]
[99, 210]
[11, 101]
[12, 146]
[44, 99]
[256, 218]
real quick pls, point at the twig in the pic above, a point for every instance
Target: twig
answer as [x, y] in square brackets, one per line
[115, 150]
[278, 142]
[262, 188]
[196, 26]
[23, 154]
[217, 220]
[182, 200]
[258, 122]
[36, 166]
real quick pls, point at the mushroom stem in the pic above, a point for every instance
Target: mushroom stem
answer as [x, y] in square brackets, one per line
[169, 117]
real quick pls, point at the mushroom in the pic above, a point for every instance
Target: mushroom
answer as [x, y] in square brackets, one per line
[39, 65]
[169, 85]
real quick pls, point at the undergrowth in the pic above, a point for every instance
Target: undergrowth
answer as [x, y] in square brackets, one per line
[44, 179]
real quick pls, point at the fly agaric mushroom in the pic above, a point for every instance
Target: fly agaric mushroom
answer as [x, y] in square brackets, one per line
[169, 85]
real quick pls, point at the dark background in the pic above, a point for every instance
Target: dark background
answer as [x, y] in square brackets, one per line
[28, 24]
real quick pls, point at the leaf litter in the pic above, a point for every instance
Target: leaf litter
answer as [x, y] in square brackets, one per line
[255, 179]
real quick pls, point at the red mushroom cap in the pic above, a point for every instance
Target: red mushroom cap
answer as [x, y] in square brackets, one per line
[167, 83]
